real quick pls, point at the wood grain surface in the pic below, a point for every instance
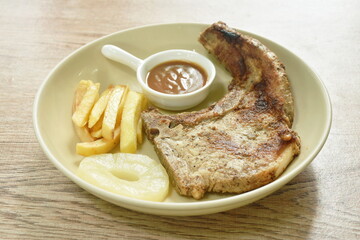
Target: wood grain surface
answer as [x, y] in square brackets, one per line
[39, 202]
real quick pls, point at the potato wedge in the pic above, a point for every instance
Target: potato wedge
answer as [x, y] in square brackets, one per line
[80, 92]
[145, 104]
[96, 134]
[139, 129]
[121, 108]
[98, 124]
[99, 107]
[139, 132]
[112, 110]
[82, 112]
[82, 132]
[99, 146]
[96, 130]
[129, 122]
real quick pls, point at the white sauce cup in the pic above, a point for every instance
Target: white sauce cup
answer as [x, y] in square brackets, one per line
[173, 102]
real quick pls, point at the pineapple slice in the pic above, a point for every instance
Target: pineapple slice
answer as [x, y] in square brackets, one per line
[131, 175]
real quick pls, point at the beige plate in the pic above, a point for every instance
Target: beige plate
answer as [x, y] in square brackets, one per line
[54, 130]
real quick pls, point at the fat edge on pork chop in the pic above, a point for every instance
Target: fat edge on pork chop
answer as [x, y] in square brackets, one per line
[241, 142]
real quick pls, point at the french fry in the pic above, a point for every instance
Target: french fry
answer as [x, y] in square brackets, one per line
[144, 104]
[113, 110]
[82, 112]
[99, 146]
[121, 108]
[96, 134]
[82, 132]
[80, 92]
[96, 130]
[139, 128]
[129, 122]
[99, 107]
[98, 124]
[98, 121]
[139, 132]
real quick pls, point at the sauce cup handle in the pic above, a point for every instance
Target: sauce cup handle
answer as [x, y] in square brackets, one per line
[119, 55]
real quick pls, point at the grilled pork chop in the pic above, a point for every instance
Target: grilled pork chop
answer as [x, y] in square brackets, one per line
[243, 141]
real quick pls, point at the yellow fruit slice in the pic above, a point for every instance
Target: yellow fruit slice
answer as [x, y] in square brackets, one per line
[131, 175]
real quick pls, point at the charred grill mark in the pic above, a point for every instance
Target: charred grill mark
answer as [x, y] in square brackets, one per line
[153, 132]
[265, 101]
[261, 86]
[225, 144]
[261, 104]
[229, 36]
[221, 141]
[270, 147]
[242, 66]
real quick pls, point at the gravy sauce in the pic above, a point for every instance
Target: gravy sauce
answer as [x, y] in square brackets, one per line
[176, 77]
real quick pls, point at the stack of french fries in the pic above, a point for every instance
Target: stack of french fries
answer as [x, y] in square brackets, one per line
[102, 121]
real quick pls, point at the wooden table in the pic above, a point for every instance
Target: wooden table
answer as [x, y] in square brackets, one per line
[39, 202]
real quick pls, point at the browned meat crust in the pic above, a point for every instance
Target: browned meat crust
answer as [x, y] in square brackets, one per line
[243, 141]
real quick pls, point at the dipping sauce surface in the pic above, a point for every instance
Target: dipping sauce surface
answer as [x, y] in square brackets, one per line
[176, 77]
